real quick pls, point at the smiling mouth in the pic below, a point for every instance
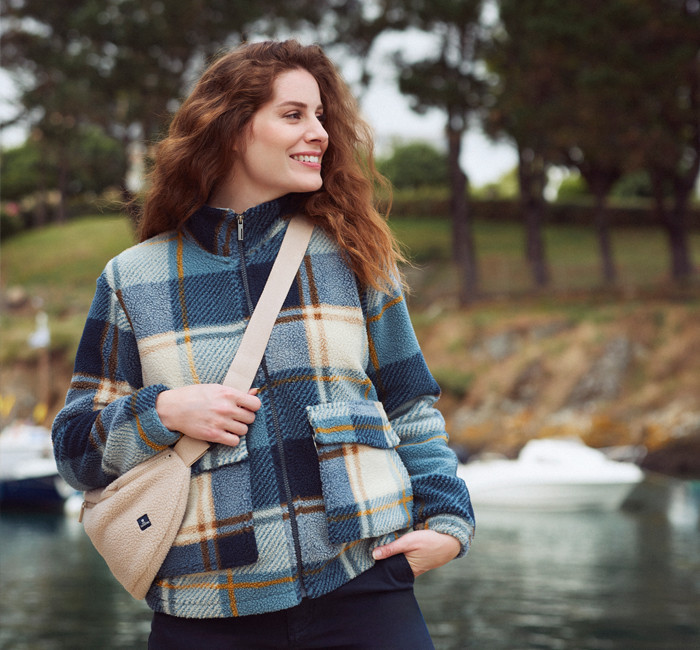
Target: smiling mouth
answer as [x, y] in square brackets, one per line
[307, 159]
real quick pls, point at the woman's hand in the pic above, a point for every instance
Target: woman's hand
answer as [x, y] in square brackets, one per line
[424, 549]
[210, 412]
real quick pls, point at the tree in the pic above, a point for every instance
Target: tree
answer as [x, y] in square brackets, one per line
[665, 36]
[524, 107]
[120, 64]
[415, 164]
[449, 80]
[589, 70]
[609, 87]
[96, 161]
[634, 104]
[20, 171]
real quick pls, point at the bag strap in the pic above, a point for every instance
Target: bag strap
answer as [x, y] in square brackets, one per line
[245, 364]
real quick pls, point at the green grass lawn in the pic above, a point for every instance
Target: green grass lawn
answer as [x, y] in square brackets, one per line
[57, 266]
[641, 255]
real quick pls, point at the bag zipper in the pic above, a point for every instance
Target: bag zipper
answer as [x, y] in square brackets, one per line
[275, 418]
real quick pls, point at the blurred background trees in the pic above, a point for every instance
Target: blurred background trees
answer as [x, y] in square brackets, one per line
[609, 89]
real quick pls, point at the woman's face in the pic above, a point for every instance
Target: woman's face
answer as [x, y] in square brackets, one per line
[285, 144]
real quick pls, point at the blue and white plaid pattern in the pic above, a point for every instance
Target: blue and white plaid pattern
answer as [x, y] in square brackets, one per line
[365, 450]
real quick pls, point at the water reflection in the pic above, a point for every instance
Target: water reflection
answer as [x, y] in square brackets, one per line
[587, 580]
[56, 593]
[623, 580]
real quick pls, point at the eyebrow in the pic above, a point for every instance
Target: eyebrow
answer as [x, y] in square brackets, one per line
[296, 104]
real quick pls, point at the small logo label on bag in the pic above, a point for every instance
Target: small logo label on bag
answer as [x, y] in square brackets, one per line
[144, 522]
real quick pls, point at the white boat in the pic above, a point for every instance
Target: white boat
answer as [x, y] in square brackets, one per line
[551, 475]
[28, 474]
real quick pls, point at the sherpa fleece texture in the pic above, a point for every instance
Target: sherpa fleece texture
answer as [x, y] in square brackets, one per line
[347, 419]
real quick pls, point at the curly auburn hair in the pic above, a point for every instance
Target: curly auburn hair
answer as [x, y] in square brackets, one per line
[198, 154]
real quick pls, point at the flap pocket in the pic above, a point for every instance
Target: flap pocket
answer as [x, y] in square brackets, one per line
[366, 488]
[365, 423]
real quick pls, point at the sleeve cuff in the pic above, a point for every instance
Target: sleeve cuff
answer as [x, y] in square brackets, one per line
[459, 528]
[149, 420]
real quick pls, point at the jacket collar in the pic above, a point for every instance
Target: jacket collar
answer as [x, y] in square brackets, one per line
[216, 229]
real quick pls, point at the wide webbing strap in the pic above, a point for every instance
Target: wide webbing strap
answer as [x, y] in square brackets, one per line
[250, 352]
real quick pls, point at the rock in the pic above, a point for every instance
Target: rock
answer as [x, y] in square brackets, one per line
[679, 458]
[603, 380]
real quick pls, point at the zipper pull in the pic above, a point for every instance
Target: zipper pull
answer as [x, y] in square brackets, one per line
[240, 227]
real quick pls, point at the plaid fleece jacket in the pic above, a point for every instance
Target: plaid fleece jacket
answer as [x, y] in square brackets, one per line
[346, 453]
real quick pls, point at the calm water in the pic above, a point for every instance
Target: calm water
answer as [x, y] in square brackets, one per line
[628, 580]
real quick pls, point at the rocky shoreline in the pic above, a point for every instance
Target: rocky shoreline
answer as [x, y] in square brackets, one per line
[628, 378]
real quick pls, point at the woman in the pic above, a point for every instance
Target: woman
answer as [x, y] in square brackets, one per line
[330, 486]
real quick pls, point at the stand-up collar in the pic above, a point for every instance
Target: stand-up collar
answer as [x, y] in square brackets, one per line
[216, 229]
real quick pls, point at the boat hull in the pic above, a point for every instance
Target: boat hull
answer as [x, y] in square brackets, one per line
[557, 476]
[43, 493]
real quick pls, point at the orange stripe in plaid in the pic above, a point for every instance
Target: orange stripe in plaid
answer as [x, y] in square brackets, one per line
[183, 307]
[370, 511]
[422, 442]
[338, 377]
[374, 357]
[142, 433]
[230, 584]
[351, 427]
[231, 592]
[404, 501]
[391, 303]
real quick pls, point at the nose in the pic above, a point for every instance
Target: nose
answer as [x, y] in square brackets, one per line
[317, 133]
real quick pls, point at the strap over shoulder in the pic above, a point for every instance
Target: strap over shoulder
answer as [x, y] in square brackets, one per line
[250, 352]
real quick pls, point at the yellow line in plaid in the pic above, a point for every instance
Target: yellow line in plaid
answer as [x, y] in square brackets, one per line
[351, 427]
[422, 442]
[363, 513]
[162, 582]
[391, 303]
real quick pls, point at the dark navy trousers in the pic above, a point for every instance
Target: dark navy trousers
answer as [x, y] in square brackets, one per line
[375, 611]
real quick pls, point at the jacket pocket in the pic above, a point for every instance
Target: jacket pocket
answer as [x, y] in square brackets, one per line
[217, 530]
[366, 488]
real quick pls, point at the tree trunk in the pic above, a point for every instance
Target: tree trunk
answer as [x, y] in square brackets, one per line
[531, 179]
[463, 249]
[674, 222]
[63, 175]
[603, 232]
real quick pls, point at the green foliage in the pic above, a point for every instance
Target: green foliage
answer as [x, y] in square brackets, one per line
[572, 187]
[633, 185]
[21, 169]
[100, 161]
[506, 187]
[97, 161]
[415, 165]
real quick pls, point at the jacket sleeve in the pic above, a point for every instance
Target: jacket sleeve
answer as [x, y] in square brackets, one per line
[109, 422]
[408, 392]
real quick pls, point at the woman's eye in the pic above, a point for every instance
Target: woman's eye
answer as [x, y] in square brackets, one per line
[321, 117]
[294, 116]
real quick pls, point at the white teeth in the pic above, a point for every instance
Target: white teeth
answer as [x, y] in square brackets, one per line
[308, 159]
